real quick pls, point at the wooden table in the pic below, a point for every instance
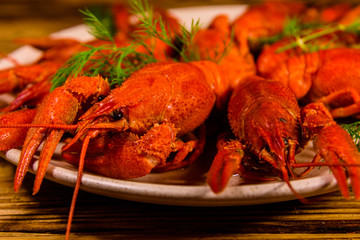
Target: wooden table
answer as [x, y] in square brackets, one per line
[44, 216]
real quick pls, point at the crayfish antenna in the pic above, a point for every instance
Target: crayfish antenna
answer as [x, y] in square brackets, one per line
[281, 166]
[285, 177]
[77, 185]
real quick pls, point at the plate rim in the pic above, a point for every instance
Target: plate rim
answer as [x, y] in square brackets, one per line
[173, 194]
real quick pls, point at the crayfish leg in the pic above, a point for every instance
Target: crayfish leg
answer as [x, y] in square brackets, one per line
[126, 155]
[350, 100]
[226, 163]
[182, 157]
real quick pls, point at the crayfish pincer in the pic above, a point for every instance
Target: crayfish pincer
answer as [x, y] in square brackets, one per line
[59, 108]
[155, 107]
[270, 129]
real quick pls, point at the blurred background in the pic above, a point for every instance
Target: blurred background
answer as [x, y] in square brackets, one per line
[36, 18]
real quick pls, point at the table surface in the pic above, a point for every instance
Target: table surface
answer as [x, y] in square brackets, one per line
[44, 216]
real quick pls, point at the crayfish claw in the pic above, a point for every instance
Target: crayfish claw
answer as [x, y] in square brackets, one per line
[334, 145]
[339, 151]
[32, 142]
[45, 156]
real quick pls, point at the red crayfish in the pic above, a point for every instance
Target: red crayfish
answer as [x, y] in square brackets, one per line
[328, 76]
[179, 96]
[268, 125]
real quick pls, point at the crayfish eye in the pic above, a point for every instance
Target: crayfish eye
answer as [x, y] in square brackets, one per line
[286, 142]
[117, 115]
[28, 106]
[267, 148]
[282, 120]
[100, 98]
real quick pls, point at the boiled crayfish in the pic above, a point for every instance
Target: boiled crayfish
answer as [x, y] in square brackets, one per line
[267, 122]
[328, 76]
[155, 120]
[179, 96]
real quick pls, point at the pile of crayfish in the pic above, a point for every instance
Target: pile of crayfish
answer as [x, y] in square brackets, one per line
[275, 101]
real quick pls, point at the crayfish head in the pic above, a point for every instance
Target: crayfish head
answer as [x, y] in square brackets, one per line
[272, 134]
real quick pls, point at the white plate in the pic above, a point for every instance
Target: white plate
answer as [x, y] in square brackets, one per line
[187, 186]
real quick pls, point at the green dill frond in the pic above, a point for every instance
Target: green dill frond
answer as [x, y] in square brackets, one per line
[158, 29]
[354, 27]
[106, 17]
[186, 40]
[354, 131]
[307, 34]
[292, 27]
[150, 27]
[74, 66]
[114, 63]
[97, 28]
[117, 63]
[127, 61]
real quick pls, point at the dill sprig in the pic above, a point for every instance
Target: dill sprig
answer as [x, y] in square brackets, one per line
[148, 26]
[157, 28]
[354, 131]
[74, 66]
[106, 17]
[186, 40]
[117, 63]
[114, 63]
[305, 33]
[108, 60]
[97, 28]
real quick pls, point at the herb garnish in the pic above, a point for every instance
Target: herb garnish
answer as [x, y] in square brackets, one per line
[108, 60]
[117, 63]
[354, 131]
[149, 27]
[97, 28]
[304, 33]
